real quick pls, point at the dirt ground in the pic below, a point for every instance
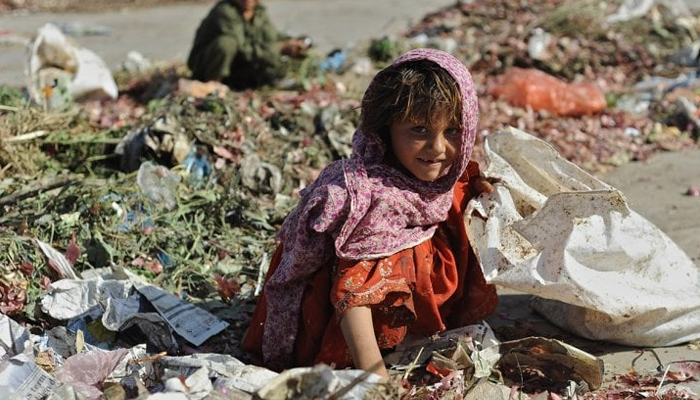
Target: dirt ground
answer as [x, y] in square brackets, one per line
[655, 189]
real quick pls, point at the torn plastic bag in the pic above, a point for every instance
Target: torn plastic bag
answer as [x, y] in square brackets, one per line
[85, 372]
[600, 269]
[529, 87]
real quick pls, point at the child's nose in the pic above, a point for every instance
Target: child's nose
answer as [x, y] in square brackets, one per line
[439, 143]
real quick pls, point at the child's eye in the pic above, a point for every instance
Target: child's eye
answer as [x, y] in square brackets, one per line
[453, 132]
[419, 129]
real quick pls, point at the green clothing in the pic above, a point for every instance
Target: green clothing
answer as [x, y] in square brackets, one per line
[242, 54]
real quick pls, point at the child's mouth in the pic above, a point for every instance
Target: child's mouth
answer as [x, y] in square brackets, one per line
[430, 162]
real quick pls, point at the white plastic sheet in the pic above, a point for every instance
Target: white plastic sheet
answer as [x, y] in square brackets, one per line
[600, 270]
[53, 61]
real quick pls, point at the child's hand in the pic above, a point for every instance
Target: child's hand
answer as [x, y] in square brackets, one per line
[482, 184]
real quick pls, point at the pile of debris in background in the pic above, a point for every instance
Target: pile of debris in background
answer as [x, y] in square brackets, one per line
[644, 61]
[114, 211]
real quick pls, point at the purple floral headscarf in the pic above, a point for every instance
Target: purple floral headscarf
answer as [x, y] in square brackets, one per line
[360, 208]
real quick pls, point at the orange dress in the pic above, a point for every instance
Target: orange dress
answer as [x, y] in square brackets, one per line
[434, 286]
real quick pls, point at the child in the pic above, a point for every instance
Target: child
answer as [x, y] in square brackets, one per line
[376, 247]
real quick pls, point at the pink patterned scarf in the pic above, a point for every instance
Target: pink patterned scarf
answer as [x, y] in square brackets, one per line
[360, 208]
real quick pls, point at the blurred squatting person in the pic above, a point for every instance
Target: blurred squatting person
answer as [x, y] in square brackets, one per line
[238, 45]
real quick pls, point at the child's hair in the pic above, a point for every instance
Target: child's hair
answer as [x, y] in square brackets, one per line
[415, 90]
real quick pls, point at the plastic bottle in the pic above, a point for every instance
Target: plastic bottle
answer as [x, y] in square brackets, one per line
[158, 184]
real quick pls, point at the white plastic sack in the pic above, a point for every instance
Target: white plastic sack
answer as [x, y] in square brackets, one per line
[600, 270]
[55, 62]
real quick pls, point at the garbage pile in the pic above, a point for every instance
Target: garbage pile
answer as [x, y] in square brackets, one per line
[187, 197]
[197, 186]
[173, 192]
[640, 57]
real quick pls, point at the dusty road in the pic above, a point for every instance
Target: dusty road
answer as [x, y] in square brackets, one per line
[656, 188]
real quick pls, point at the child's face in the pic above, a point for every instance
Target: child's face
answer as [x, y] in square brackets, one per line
[426, 151]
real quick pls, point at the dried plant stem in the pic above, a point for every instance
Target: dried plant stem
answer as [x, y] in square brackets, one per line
[27, 193]
[148, 359]
[26, 137]
[413, 364]
[261, 274]
[663, 378]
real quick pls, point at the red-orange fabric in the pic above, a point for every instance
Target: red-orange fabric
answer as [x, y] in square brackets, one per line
[426, 289]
